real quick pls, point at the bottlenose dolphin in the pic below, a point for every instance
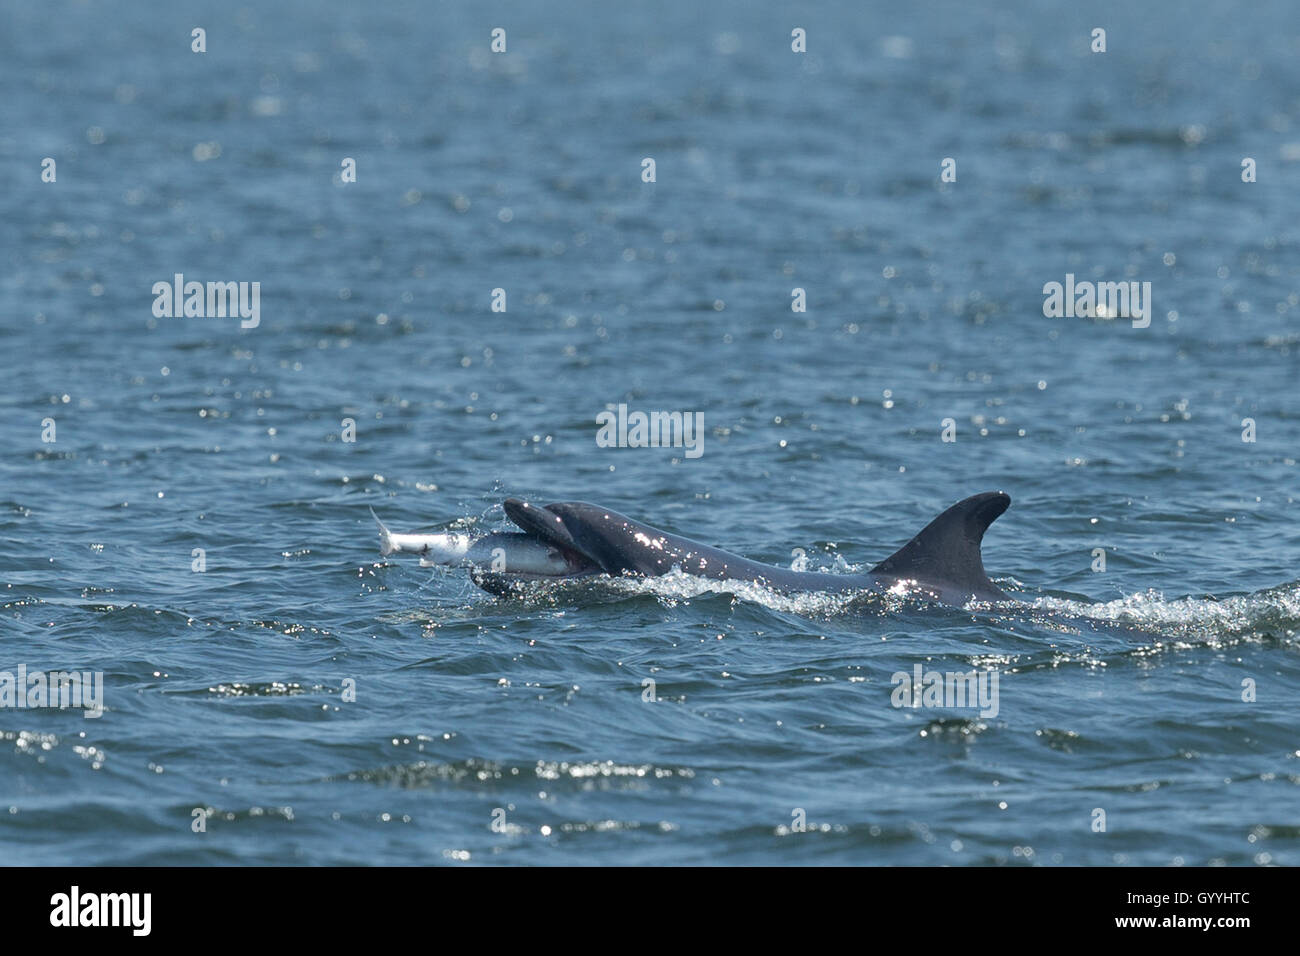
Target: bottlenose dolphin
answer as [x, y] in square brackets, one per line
[575, 539]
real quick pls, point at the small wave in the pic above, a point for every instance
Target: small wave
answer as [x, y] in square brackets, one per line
[1274, 612]
[478, 772]
[678, 587]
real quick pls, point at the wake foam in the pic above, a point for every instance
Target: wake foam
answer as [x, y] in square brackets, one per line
[1272, 612]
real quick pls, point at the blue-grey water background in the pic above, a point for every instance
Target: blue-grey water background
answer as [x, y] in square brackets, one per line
[522, 171]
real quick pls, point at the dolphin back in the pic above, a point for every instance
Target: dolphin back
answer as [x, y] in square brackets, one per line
[943, 560]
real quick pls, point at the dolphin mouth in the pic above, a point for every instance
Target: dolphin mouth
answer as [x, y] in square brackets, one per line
[549, 527]
[537, 520]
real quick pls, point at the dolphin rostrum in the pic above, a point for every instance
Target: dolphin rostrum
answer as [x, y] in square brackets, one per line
[575, 539]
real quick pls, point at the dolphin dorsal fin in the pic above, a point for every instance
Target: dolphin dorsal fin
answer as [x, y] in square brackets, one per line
[946, 554]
